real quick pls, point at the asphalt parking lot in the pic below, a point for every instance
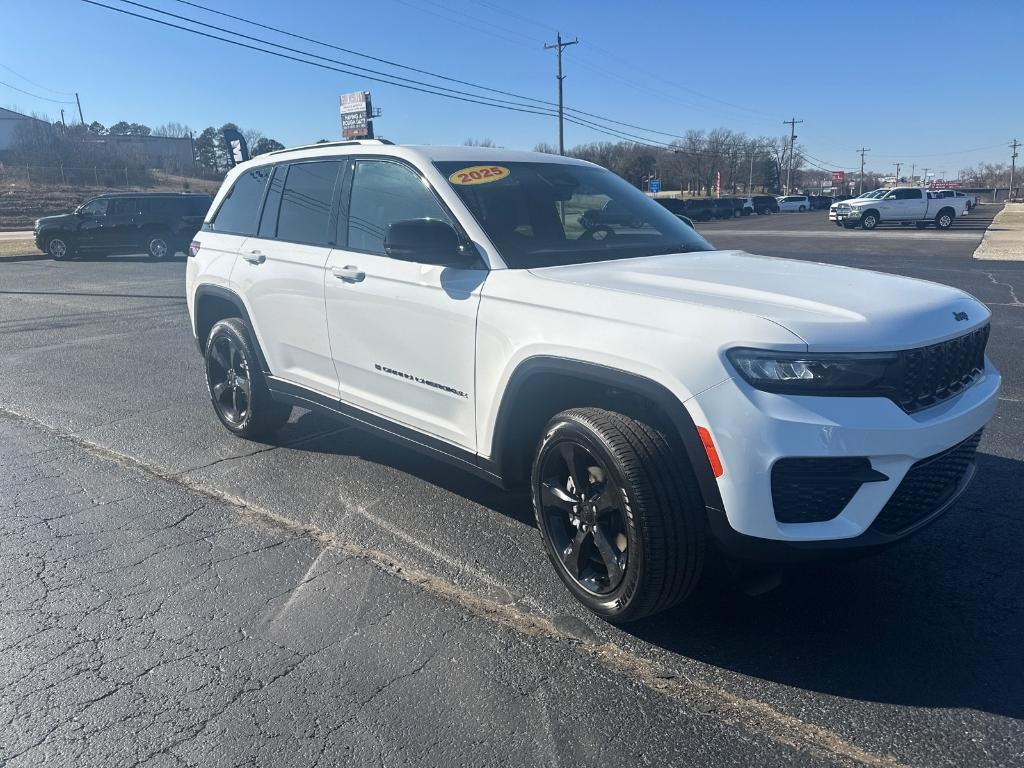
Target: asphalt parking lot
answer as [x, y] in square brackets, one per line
[172, 595]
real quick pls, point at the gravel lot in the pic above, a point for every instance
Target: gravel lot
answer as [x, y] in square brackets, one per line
[172, 595]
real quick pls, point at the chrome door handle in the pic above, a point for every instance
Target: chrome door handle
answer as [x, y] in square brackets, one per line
[349, 273]
[254, 257]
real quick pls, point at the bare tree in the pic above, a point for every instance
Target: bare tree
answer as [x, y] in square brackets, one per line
[172, 130]
[471, 142]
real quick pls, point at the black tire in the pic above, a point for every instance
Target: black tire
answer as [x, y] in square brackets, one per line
[653, 514]
[236, 384]
[802, 209]
[60, 247]
[158, 246]
[869, 220]
[944, 219]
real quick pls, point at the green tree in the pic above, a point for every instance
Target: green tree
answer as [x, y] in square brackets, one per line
[265, 145]
[97, 128]
[207, 146]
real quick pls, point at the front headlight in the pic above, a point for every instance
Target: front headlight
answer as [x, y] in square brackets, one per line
[813, 373]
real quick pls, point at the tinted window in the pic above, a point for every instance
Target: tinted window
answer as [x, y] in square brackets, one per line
[165, 208]
[306, 202]
[268, 222]
[96, 207]
[908, 194]
[240, 209]
[382, 193]
[541, 214]
[198, 205]
[122, 206]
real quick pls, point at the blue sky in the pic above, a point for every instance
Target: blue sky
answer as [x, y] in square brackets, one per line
[917, 82]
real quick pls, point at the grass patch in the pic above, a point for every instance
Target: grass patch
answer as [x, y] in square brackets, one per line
[15, 248]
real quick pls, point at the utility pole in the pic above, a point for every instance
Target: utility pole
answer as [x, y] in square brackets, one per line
[750, 178]
[1013, 166]
[925, 178]
[860, 187]
[792, 139]
[912, 167]
[559, 45]
[79, 103]
[898, 166]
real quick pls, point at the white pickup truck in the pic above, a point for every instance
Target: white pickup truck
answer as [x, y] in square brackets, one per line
[901, 204]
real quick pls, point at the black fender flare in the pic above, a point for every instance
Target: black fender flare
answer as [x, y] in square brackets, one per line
[621, 380]
[226, 294]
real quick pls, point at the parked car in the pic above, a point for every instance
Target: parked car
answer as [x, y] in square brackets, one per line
[747, 204]
[723, 208]
[159, 224]
[612, 214]
[658, 398]
[791, 203]
[900, 205]
[765, 204]
[820, 202]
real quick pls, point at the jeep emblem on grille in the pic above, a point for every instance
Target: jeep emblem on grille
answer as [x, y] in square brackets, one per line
[958, 316]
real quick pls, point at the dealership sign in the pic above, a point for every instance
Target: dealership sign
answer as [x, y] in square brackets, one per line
[356, 112]
[838, 177]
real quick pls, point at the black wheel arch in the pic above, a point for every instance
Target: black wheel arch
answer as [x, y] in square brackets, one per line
[214, 303]
[543, 386]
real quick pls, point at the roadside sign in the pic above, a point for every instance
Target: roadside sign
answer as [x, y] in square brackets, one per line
[654, 185]
[838, 177]
[355, 112]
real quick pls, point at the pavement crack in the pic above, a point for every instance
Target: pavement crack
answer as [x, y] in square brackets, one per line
[1014, 300]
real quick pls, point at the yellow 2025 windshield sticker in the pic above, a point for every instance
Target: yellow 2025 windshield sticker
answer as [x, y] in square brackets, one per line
[479, 174]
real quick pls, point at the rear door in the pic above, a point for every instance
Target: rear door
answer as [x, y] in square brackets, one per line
[281, 273]
[120, 223]
[914, 204]
[403, 333]
[235, 219]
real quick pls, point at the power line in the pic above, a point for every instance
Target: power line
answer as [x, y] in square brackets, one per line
[37, 85]
[34, 95]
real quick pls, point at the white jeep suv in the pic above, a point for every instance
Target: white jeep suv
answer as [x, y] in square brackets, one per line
[659, 396]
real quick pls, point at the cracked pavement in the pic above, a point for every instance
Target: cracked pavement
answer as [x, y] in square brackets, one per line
[172, 595]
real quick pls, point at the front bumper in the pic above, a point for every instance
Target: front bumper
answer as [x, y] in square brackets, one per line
[841, 216]
[752, 430]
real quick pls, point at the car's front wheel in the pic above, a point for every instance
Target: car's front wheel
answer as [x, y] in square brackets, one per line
[59, 247]
[944, 220]
[158, 246]
[869, 221]
[237, 387]
[619, 513]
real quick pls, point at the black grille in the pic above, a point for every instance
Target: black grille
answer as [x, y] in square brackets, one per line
[928, 485]
[928, 375]
[812, 490]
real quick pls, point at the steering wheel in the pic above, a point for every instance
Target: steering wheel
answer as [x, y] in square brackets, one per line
[598, 233]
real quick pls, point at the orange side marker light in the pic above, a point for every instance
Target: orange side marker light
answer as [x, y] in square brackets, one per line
[711, 451]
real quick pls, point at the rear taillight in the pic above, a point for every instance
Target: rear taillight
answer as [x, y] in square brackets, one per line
[193, 248]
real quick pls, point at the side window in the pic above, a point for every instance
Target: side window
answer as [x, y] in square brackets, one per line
[241, 208]
[121, 206]
[268, 221]
[198, 205]
[96, 207]
[306, 202]
[909, 194]
[384, 192]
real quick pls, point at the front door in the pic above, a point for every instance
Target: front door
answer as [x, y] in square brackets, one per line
[403, 333]
[92, 219]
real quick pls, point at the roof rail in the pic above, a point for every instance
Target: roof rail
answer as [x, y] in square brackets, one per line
[352, 143]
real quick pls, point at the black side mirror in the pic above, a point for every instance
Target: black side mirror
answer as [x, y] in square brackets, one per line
[429, 241]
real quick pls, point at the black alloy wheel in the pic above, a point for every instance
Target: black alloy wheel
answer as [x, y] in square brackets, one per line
[230, 383]
[619, 512]
[58, 248]
[237, 386]
[582, 514]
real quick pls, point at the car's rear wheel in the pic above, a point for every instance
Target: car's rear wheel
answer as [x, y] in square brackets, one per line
[619, 513]
[237, 387]
[944, 220]
[802, 208]
[59, 248]
[158, 246]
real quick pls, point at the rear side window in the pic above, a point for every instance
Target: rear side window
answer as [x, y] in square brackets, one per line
[122, 206]
[268, 222]
[306, 202]
[908, 194]
[241, 208]
[384, 192]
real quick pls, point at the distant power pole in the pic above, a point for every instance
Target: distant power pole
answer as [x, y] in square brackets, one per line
[860, 187]
[924, 179]
[792, 139]
[79, 103]
[913, 167]
[559, 45]
[898, 166]
[1013, 166]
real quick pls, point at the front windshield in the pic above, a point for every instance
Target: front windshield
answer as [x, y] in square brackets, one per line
[545, 214]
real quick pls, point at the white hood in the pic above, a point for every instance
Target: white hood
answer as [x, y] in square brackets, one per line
[828, 307]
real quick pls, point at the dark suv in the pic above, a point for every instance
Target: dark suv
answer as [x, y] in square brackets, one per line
[161, 224]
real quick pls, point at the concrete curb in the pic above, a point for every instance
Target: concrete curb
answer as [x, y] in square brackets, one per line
[1004, 238]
